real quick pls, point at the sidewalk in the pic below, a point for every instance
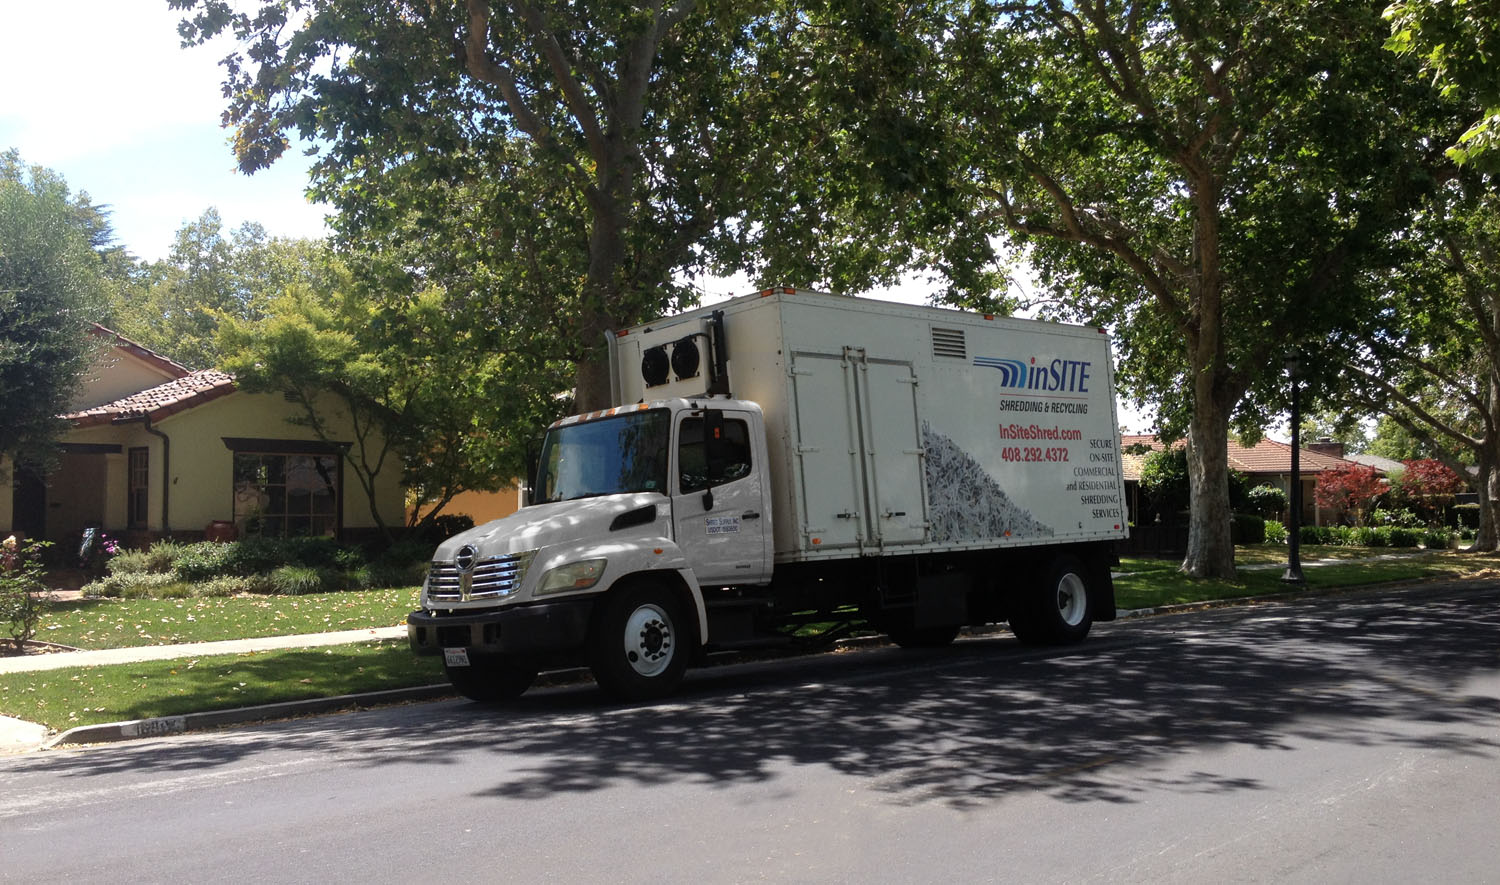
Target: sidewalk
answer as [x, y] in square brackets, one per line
[20, 736]
[101, 657]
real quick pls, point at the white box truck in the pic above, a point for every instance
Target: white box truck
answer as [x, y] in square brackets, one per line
[785, 465]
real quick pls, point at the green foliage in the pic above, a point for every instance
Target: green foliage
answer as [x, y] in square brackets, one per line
[1164, 480]
[553, 168]
[1437, 539]
[1457, 43]
[1275, 532]
[1249, 529]
[202, 560]
[138, 585]
[128, 562]
[23, 595]
[296, 580]
[1267, 500]
[50, 290]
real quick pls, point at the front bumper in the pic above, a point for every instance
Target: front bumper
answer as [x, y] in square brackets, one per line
[529, 629]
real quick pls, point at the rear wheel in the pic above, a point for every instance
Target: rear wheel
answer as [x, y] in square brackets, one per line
[1060, 610]
[640, 643]
[492, 679]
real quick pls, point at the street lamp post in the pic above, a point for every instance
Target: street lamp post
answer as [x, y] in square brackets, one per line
[1293, 574]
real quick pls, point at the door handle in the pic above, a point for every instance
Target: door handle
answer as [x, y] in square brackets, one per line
[751, 515]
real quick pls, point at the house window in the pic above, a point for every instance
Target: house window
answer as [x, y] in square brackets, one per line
[286, 495]
[137, 494]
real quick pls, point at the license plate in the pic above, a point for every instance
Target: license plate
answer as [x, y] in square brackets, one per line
[456, 657]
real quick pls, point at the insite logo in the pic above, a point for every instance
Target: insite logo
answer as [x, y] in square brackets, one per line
[1058, 376]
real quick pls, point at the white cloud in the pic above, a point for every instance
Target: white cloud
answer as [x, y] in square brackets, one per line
[111, 100]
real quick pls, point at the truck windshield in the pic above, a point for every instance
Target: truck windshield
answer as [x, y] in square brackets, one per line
[626, 453]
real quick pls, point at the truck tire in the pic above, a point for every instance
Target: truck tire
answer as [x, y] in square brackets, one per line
[1058, 612]
[491, 679]
[639, 646]
[923, 637]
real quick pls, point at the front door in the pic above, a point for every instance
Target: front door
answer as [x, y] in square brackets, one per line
[720, 521]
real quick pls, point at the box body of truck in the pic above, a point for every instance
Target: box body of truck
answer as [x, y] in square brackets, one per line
[904, 429]
[790, 459]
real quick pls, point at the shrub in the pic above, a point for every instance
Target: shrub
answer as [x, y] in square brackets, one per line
[1405, 518]
[227, 585]
[296, 580]
[444, 527]
[1276, 533]
[161, 555]
[406, 552]
[1249, 529]
[1315, 534]
[1401, 536]
[1437, 539]
[1366, 536]
[201, 561]
[133, 585]
[1466, 516]
[128, 562]
[253, 555]
[23, 599]
[1267, 500]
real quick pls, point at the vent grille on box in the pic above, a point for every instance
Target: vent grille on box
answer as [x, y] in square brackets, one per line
[949, 342]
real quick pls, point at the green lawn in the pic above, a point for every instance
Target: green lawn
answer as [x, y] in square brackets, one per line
[123, 623]
[1154, 582]
[63, 699]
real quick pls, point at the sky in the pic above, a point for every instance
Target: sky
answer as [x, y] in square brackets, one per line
[114, 104]
[123, 112]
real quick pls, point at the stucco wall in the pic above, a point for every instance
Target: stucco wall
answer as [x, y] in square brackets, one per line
[201, 468]
[116, 374]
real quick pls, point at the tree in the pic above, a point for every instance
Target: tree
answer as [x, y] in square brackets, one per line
[417, 395]
[1350, 488]
[50, 290]
[1428, 355]
[174, 306]
[1210, 180]
[1457, 43]
[572, 158]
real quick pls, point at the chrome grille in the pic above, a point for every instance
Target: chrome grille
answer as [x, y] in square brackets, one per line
[490, 579]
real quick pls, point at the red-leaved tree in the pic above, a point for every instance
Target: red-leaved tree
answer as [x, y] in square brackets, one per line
[1430, 485]
[1350, 489]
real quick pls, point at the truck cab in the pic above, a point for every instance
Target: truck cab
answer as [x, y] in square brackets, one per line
[648, 503]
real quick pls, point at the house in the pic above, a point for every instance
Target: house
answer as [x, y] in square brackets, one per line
[1267, 463]
[158, 450]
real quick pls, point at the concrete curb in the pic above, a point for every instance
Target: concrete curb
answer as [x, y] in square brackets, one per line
[109, 732]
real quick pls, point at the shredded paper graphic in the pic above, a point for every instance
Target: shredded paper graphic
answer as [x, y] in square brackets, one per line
[965, 503]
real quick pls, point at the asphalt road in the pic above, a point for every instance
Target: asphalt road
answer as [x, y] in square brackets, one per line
[1351, 738]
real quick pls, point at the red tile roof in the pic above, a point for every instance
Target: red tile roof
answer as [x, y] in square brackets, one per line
[160, 401]
[1266, 458]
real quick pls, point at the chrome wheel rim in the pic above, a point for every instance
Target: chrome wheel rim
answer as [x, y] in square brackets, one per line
[1072, 599]
[649, 641]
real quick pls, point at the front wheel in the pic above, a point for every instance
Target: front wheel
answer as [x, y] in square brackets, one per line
[640, 644]
[1060, 611]
[492, 679]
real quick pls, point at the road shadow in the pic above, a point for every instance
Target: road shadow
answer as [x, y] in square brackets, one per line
[968, 725]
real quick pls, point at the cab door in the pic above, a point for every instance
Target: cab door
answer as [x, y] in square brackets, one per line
[719, 508]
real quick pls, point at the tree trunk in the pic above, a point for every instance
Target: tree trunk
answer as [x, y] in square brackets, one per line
[1210, 550]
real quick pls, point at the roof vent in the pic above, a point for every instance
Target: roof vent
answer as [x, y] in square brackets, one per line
[949, 343]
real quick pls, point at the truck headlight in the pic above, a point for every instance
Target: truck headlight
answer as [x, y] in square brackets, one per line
[579, 575]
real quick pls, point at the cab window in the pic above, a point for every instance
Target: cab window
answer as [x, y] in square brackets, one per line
[692, 456]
